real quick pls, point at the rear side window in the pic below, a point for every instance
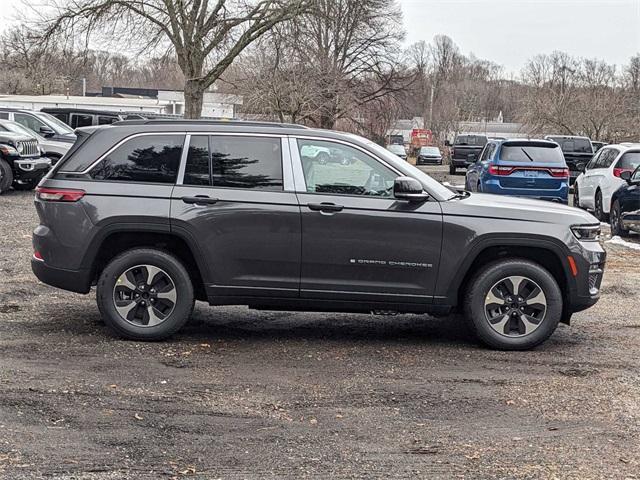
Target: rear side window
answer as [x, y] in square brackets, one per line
[145, 159]
[532, 153]
[606, 159]
[104, 120]
[235, 162]
[81, 120]
[629, 161]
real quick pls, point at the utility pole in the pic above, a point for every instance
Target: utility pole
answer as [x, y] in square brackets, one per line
[84, 87]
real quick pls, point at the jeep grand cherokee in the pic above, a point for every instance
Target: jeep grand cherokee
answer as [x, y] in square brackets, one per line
[158, 214]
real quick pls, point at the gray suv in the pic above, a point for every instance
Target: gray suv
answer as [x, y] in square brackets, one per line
[160, 213]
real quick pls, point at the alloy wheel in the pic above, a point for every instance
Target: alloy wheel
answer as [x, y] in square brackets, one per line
[515, 306]
[144, 295]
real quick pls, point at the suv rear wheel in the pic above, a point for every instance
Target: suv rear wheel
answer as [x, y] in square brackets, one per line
[145, 294]
[513, 304]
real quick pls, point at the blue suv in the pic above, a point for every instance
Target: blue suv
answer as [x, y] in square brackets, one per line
[523, 168]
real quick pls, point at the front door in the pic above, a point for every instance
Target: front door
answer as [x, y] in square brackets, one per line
[233, 204]
[358, 241]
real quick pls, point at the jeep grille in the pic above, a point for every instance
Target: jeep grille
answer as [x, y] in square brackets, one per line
[28, 148]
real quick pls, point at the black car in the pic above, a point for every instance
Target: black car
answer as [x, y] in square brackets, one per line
[429, 156]
[465, 150]
[21, 162]
[625, 205]
[158, 214]
[578, 151]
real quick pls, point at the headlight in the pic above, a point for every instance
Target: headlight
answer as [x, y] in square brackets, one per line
[586, 233]
[19, 147]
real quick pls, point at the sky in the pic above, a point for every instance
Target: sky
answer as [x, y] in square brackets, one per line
[507, 32]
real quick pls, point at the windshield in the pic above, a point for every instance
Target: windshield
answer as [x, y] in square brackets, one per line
[434, 187]
[629, 161]
[17, 128]
[476, 140]
[396, 149]
[531, 153]
[580, 145]
[429, 151]
[58, 125]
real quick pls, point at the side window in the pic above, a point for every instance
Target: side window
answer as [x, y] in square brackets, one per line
[104, 120]
[197, 171]
[4, 115]
[28, 121]
[485, 152]
[594, 161]
[246, 162]
[342, 170]
[81, 120]
[606, 163]
[636, 175]
[147, 158]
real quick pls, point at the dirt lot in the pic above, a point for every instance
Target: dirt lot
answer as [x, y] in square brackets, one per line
[244, 394]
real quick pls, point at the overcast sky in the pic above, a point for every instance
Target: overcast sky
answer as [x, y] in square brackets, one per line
[509, 32]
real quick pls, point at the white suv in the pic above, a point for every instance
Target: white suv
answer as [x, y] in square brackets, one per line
[601, 177]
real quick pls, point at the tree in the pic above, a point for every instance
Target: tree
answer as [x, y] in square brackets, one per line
[205, 35]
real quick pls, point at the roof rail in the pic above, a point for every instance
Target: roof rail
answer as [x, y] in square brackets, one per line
[222, 121]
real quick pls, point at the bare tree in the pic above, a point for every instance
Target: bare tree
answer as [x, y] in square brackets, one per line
[206, 36]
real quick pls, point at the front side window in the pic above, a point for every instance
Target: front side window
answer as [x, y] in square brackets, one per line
[29, 121]
[145, 159]
[81, 120]
[333, 168]
[636, 175]
[104, 120]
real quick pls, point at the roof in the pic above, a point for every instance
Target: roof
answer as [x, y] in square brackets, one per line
[182, 121]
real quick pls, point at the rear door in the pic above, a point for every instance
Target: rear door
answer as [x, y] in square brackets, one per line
[235, 200]
[359, 242]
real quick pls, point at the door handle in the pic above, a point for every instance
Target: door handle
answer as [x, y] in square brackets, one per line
[324, 207]
[200, 200]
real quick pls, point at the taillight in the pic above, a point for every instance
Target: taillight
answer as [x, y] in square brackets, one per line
[618, 171]
[38, 256]
[559, 172]
[500, 170]
[59, 194]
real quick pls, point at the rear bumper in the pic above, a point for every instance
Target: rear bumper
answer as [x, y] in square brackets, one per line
[462, 162]
[78, 281]
[560, 195]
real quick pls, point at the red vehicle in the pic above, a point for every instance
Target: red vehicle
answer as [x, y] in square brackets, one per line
[420, 138]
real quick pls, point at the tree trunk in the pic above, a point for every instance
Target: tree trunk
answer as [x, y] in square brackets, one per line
[193, 98]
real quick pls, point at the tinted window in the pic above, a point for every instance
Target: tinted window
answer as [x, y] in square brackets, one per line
[197, 168]
[102, 120]
[342, 170]
[474, 140]
[61, 116]
[629, 161]
[636, 175]
[580, 145]
[148, 158]
[4, 115]
[532, 153]
[28, 121]
[79, 120]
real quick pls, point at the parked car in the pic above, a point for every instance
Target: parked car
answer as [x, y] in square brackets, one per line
[159, 213]
[625, 205]
[465, 150]
[42, 123]
[398, 150]
[523, 168]
[429, 155]
[597, 145]
[324, 155]
[21, 162]
[577, 150]
[603, 175]
[49, 148]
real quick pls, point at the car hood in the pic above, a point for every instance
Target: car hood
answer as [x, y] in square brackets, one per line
[15, 137]
[518, 208]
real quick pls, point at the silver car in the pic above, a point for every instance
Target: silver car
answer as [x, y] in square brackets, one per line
[51, 148]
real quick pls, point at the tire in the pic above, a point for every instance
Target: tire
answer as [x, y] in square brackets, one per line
[616, 221]
[27, 185]
[509, 331]
[171, 307]
[452, 169]
[6, 176]
[598, 210]
[576, 197]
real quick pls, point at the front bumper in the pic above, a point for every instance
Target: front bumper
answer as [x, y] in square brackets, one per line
[27, 168]
[590, 259]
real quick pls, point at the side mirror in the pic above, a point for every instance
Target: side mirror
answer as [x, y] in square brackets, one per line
[626, 176]
[407, 188]
[46, 132]
[581, 166]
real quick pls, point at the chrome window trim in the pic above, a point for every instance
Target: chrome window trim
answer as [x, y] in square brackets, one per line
[300, 182]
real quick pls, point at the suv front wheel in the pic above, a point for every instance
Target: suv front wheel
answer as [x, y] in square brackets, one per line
[513, 304]
[145, 294]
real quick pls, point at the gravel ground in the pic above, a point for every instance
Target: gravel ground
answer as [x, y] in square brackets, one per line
[245, 394]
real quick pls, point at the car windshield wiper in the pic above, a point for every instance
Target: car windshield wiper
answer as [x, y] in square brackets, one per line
[525, 152]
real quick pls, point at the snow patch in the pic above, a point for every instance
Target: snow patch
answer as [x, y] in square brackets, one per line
[616, 240]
